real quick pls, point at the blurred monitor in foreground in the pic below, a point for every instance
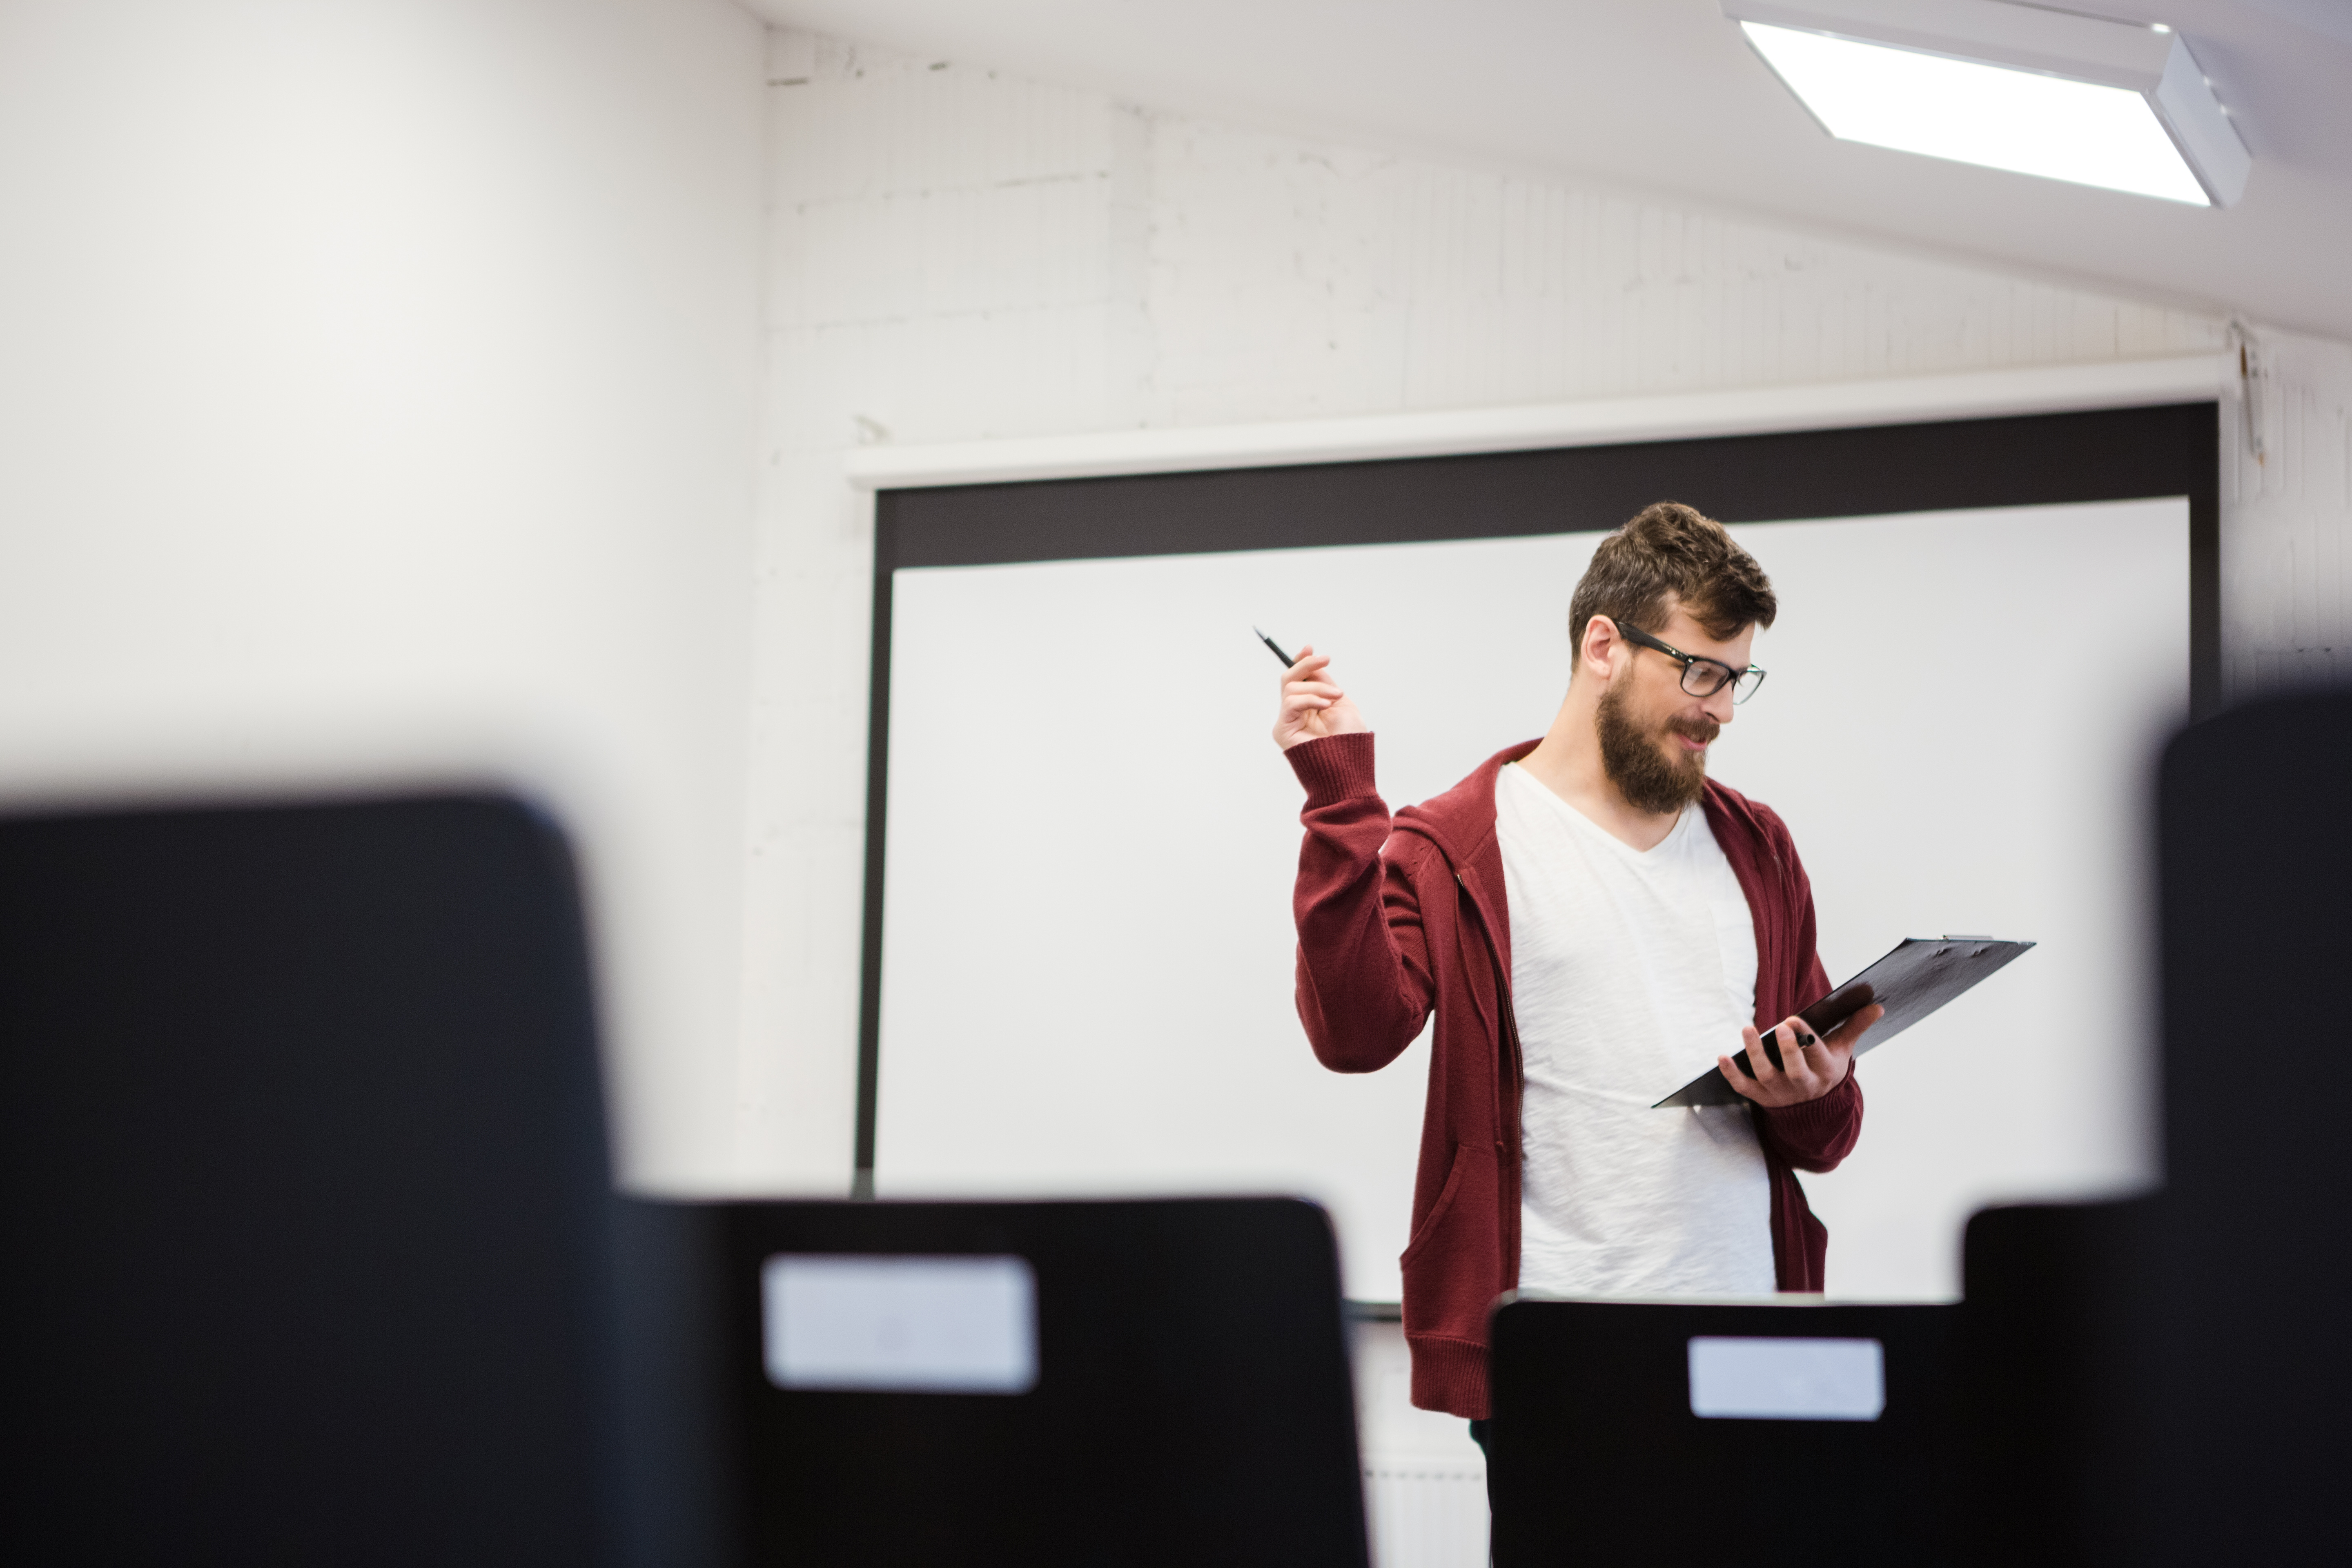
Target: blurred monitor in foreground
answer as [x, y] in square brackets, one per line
[1047, 1383]
[1672, 1433]
[2253, 1362]
[303, 1190]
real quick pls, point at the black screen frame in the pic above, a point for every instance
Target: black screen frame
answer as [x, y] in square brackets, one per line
[2039, 459]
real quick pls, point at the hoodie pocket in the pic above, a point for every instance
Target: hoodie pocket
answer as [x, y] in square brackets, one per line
[1435, 1218]
[1433, 1221]
[1452, 1265]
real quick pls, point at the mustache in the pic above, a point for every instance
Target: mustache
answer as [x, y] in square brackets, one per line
[1703, 731]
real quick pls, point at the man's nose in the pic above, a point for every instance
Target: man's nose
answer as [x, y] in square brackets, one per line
[1718, 707]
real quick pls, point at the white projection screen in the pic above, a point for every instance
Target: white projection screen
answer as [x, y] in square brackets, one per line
[1085, 950]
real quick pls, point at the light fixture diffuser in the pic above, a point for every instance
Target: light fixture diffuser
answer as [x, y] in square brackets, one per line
[2054, 94]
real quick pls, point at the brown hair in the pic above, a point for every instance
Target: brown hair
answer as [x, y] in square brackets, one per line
[1672, 554]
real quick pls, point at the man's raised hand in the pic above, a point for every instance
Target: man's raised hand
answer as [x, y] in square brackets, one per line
[1808, 1071]
[1312, 706]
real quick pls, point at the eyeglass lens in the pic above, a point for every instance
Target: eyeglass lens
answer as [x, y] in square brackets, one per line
[1702, 678]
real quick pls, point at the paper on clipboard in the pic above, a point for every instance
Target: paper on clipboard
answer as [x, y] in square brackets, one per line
[1921, 975]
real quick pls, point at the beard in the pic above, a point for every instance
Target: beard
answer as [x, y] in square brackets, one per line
[1651, 776]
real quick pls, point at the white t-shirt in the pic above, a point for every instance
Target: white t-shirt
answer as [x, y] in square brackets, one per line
[1630, 971]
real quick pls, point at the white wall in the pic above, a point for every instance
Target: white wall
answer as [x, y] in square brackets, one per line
[956, 254]
[378, 399]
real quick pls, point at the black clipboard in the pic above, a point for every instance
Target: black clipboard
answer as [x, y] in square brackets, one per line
[1921, 975]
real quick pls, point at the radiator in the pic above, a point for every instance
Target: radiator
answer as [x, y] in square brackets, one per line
[1426, 1512]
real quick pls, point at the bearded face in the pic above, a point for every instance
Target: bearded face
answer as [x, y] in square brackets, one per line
[1643, 758]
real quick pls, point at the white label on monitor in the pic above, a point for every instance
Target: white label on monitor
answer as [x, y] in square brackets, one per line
[900, 1324]
[1787, 1379]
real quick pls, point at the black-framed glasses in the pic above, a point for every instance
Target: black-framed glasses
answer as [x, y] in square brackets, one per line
[1702, 676]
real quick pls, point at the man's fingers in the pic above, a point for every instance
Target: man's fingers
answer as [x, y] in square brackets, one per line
[1802, 1050]
[1760, 1070]
[1746, 1087]
[1301, 698]
[1807, 1071]
[1306, 698]
[1822, 1065]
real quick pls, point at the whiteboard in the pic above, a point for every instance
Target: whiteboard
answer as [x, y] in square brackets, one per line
[1088, 948]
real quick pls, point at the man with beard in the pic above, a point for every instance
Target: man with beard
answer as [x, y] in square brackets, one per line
[1594, 921]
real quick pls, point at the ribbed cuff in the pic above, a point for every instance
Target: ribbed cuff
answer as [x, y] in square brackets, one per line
[1334, 767]
[1813, 1123]
[1448, 1374]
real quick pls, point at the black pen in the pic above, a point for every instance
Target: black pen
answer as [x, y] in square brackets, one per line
[1287, 661]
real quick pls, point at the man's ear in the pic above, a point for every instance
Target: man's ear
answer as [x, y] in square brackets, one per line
[1601, 645]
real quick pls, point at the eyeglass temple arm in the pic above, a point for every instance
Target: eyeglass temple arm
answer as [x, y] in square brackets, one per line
[1641, 639]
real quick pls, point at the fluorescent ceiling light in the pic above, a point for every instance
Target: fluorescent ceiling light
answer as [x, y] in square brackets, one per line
[2041, 92]
[1974, 113]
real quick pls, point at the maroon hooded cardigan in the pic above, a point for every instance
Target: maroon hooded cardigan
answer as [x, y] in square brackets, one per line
[1396, 918]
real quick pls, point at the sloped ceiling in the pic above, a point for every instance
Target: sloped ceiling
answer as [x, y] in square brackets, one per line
[1665, 96]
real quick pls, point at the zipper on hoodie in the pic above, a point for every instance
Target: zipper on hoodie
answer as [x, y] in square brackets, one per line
[1506, 1020]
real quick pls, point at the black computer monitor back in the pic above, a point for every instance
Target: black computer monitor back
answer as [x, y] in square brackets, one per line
[2254, 1364]
[2056, 1395]
[1191, 1401]
[1598, 1454]
[302, 1191]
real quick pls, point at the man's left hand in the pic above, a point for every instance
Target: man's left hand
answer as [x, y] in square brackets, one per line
[1810, 1066]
